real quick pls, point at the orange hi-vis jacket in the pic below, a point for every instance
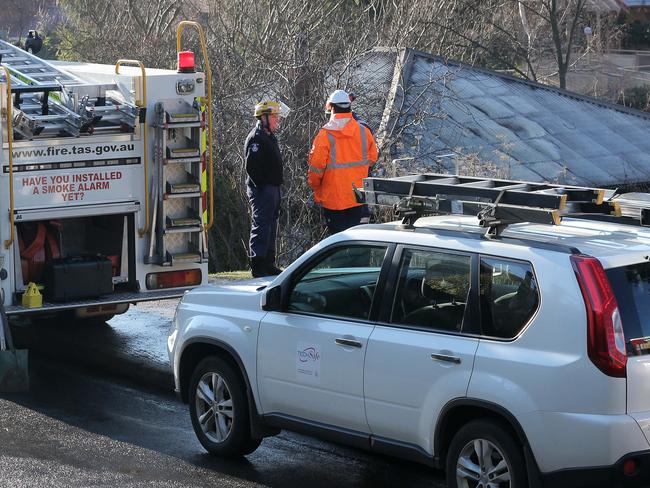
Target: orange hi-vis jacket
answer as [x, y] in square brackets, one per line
[342, 152]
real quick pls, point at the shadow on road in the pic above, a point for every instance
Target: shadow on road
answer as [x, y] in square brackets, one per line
[87, 378]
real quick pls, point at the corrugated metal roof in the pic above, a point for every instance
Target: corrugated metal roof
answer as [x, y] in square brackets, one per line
[526, 130]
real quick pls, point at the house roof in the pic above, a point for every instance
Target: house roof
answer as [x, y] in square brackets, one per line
[635, 3]
[606, 5]
[435, 114]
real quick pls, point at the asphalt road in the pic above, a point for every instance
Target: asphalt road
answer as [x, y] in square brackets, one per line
[100, 412]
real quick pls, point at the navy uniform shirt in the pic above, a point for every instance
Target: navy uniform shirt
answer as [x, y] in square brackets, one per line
[263, 158]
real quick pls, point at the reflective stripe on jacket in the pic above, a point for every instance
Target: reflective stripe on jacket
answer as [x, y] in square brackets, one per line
[341, 154]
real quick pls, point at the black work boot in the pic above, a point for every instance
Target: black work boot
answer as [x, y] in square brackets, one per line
[259, 267]
[271, 268]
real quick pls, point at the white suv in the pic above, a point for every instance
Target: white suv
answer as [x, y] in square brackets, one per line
[513, 361]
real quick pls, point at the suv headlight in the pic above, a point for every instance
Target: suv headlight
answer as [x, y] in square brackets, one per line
[171, 340]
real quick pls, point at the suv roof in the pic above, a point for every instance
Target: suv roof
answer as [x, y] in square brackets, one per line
[611, 241]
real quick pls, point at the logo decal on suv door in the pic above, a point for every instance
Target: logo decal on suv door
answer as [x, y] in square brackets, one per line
[308, 362]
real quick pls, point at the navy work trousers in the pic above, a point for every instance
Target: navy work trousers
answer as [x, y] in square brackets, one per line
[339, 220]
[265, 210]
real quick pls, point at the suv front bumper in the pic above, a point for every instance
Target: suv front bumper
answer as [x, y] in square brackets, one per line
[603, 476]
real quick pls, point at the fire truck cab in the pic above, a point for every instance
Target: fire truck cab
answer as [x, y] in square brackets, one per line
[105, 182]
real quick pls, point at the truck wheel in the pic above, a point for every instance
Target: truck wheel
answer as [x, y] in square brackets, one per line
[219, 409]
[483, 455]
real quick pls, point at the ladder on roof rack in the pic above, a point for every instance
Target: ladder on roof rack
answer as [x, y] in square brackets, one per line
[51, 102]
[498, 203]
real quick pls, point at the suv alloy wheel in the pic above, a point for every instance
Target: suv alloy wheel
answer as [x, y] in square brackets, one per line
[219, 409]
[483, 455]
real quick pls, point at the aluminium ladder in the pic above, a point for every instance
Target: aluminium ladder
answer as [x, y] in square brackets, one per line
[49, 102]
[179, 184]
[498, 203]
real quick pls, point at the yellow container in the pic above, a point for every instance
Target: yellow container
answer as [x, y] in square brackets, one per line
[32, 298]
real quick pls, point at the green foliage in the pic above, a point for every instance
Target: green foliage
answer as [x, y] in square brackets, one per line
[51, 43]
[637, 97]
[636, 35]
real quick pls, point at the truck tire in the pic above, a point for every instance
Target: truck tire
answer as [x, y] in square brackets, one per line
[483, 453]
[219, 409]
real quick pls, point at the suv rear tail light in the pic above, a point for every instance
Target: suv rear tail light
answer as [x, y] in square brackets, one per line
[173, 279]
[605, 338]
[629, 467]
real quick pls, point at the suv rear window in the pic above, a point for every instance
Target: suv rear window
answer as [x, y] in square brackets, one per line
[508, 296]
[631, 286]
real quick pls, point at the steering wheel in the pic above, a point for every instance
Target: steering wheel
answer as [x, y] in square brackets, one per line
[307, 301]
[366, 292]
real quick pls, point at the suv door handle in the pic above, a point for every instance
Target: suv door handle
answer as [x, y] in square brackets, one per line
[446, 358]
[347, 342]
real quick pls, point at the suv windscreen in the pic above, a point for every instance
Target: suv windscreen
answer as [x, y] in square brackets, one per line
[631, 286]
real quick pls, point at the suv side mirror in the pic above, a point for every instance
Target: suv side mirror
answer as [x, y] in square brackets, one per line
[272, 299]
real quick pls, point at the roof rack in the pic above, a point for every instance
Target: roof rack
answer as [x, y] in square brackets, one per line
[499, 203]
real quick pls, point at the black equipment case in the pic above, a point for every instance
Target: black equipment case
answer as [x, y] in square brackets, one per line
[77, 277]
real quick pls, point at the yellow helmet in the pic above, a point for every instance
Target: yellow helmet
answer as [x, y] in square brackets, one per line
[271, 107]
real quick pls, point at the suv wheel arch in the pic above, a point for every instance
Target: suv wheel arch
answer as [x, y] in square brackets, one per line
[198, 348]
[458, 412]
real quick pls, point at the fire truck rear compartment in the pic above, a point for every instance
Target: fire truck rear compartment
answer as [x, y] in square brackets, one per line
[92, 248]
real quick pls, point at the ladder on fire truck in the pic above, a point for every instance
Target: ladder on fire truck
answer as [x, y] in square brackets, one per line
[499, 203]
[182, 171]
[179, 184]
[49, 102]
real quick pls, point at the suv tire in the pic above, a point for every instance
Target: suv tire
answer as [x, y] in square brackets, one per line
[463, 458]
[219, 410]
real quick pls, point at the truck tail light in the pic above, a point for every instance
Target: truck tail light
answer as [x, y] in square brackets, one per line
[173, 279]
[605, 338]
[185, 62]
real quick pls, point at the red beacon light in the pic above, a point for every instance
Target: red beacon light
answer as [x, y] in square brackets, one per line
[186, 62]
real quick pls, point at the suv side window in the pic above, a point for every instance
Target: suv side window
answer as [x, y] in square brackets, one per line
[342, 284]
[508, 296]
[433, 290]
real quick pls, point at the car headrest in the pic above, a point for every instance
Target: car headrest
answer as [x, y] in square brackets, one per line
[446, 280]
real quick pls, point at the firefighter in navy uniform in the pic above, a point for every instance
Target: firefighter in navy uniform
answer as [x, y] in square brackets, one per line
[264, 170]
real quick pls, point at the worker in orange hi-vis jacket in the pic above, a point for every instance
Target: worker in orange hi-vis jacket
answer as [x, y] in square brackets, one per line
[340, 156]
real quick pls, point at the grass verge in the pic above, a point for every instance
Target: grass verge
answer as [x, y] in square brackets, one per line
[231, 275]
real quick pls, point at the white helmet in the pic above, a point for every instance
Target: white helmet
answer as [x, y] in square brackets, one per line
[340, 98]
